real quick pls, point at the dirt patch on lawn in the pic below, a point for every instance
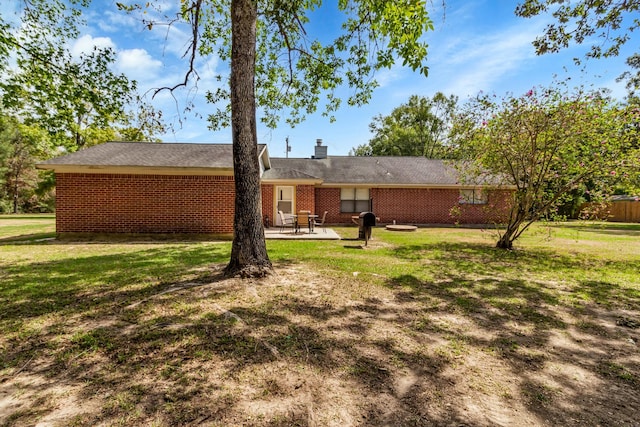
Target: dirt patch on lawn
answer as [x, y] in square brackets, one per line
[305, 348]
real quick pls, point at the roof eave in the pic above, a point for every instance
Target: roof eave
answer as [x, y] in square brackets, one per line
[266, 160]
[136, 170]
[413, 185]
[292, 181]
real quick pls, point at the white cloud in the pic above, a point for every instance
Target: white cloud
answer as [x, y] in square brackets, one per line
[481, 62]
[87, 43]
[386, 77]
[112, 22]
[138, 65]
[172, 39]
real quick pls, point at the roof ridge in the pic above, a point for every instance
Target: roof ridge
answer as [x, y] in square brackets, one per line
[298, 171]
[163, 143]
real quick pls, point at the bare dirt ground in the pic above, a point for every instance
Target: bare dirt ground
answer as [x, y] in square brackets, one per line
[306, 348]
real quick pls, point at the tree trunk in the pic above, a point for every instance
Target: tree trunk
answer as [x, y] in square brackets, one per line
[505, 241]
[249, 251]
[513, 226]
[16, 186]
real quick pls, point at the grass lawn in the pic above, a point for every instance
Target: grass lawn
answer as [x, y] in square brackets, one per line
[434, 327]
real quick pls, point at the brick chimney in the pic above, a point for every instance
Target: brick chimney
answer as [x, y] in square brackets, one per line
[321, 150]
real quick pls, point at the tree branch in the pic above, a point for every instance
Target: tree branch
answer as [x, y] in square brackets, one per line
[192, 50]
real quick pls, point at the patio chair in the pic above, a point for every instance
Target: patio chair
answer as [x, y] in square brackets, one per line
[286, 222]
[320, 223]
[303, 218]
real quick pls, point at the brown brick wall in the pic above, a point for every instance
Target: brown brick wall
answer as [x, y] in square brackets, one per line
[328, 199]
[267, 202]
[416, 206]
[305, 198]
[110, 203]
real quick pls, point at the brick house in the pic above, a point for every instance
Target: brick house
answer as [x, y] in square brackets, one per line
[123, 187]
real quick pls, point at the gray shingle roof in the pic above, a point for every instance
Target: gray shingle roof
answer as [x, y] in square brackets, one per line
[288, 173]
[146, 154]
[392, 171]
[369, 170]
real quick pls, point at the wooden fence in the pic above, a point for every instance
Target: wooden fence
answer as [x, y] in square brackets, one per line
[624, 211]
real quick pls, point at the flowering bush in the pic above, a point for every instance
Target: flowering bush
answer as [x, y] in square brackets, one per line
[548, 144]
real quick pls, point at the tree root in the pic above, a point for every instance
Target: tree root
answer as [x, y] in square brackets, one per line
[248, 271]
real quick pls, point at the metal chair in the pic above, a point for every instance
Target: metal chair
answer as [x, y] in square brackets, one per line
[303, 218]
[321, 222]
[286, 222]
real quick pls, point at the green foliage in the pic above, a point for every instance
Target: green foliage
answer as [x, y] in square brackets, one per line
[547, 144]
[420, 127]
[632, 78]
[20, 184]
[79, 101]
[606, 24]
[279, 67]
[295, 68]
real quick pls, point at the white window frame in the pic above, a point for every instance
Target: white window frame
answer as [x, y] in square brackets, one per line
[354, 199]
[280, 190]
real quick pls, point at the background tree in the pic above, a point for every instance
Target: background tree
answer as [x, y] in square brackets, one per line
[606, 26]
[277, 65]
[21, 146]
[418, 128]
[546, 144]
[79, 101]
[629, 182]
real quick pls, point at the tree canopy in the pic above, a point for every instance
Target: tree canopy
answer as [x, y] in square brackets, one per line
[53, 101]
[418, 128]
[298, 66]
[605, 24]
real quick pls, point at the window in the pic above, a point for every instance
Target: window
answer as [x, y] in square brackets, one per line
[354, 200]
[473, 197]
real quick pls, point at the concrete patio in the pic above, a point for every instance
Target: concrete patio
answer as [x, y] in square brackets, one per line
[303, 234]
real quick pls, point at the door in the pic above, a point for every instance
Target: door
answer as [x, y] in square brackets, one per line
[284, 202]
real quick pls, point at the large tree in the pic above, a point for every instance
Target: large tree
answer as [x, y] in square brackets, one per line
[546, 144]
[418, 128]
[278, 64]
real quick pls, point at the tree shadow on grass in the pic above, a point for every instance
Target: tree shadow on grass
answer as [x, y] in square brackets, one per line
[136, 342]
[129, 352]
[27, 238]
[99, 283]
[534, 328]
[463, 260]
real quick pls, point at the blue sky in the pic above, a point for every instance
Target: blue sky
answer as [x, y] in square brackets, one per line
[476, 46]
